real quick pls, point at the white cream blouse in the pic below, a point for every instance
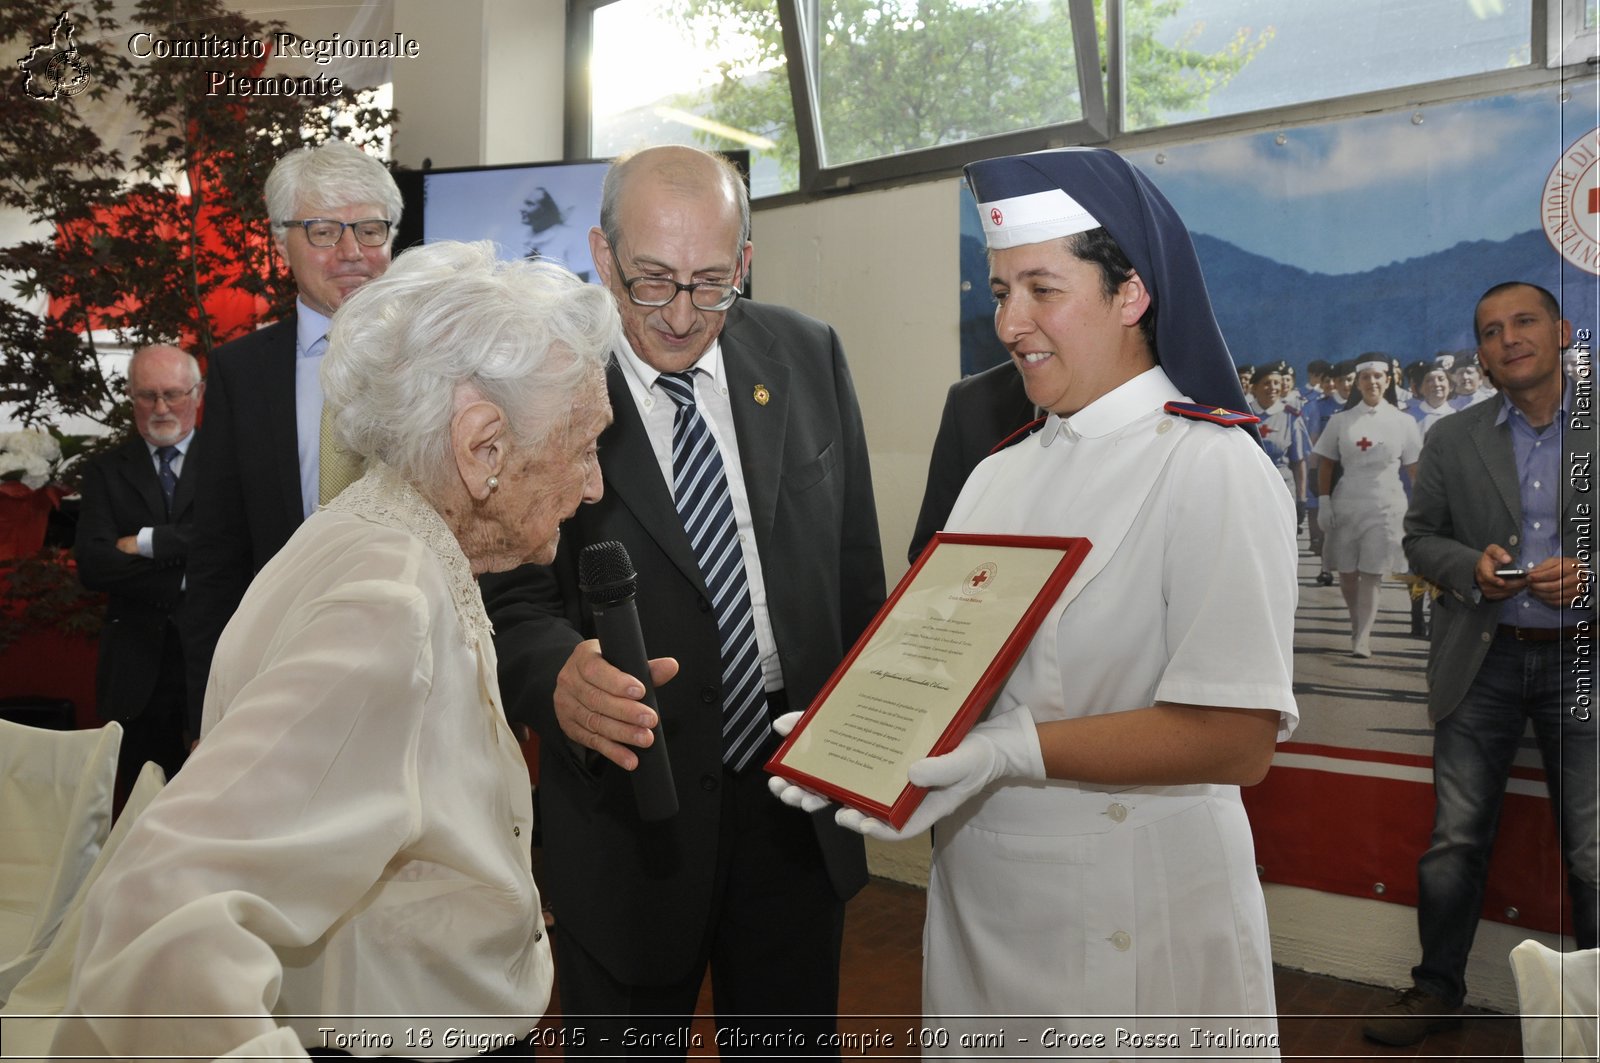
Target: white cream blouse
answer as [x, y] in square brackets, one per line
[344, 860]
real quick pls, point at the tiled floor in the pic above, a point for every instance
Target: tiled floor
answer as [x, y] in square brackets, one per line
[1320, 1017]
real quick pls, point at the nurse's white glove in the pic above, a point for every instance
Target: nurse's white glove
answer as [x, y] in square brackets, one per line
[790, 793]
[1325, 513]
[1006, 746]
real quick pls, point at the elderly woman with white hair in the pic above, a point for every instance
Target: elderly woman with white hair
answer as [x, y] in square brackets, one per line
[351, 835]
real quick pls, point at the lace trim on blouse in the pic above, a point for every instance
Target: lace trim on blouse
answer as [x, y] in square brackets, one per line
[382, 497]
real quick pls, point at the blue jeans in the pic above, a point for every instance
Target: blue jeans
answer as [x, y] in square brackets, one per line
[1472, 752]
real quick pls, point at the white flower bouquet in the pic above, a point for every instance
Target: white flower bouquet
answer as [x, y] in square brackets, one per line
[30, 456]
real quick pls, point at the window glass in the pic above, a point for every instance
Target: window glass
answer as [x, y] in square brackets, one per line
[893, 76]
[705, 72]
[1190, 59]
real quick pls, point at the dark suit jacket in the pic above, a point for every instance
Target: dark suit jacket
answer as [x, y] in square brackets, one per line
[249, 490]
[979, 412]
[1467, 496]
[122, 494]
[638, 896]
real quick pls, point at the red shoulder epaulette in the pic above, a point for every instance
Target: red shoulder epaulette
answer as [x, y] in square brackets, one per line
[1017, 436]
[1215, 414]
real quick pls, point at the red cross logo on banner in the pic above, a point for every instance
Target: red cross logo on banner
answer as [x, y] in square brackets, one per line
[996, 217]
[1364, 443]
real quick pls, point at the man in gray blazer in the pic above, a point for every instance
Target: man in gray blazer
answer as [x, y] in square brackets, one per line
[1502, 520]
[736, 881]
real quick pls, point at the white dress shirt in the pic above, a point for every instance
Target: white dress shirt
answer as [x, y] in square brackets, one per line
[310, 344]
[146, 537]
[657, 410]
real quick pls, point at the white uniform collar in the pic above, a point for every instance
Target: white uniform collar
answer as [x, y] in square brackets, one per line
[1115, 410]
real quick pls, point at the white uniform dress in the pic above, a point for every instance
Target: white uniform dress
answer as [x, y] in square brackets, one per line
[350, 838]
[1139, 904]
[1370, 443]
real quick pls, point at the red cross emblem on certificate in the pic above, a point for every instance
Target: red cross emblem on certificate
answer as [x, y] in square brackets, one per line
[1364, 444]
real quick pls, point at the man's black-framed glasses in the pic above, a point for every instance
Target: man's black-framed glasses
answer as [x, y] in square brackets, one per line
[326, 232]
[171, 396]
[659, 291]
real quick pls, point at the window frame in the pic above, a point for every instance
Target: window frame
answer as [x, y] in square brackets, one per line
[815, 179]
[1102, 98]
[1566, 46]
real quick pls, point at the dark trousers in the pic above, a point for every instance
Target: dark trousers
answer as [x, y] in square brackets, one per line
[157, 733]
[1473, 749]
[772, 945]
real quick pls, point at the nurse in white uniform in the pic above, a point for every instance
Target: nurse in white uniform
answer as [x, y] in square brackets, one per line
[1370, 442]
[1092, 863]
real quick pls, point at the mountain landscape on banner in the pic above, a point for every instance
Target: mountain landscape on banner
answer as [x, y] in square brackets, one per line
[1270, 311]
[1411, 309]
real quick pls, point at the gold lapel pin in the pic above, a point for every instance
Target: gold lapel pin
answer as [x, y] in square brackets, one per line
[762, 395]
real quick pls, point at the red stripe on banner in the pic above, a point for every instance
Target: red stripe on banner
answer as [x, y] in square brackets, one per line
[1371, 756]
[1352, 834]
[1383, 756]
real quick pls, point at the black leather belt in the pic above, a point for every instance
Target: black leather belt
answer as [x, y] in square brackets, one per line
[1543, 634]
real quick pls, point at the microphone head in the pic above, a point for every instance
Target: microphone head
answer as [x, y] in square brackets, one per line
[605, 573]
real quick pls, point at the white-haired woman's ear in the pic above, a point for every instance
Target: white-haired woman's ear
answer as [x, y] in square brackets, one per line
[478, 442]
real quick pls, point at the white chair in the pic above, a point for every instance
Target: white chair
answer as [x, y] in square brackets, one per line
[28, 1019]
[1559, 995]
[55, 811]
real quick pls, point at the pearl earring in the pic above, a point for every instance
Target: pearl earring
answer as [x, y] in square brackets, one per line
[493, 482]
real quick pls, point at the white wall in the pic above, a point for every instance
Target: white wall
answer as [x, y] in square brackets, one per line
[487, 88]
[881, 267]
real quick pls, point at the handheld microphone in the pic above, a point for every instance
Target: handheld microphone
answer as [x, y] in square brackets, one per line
[606, 577]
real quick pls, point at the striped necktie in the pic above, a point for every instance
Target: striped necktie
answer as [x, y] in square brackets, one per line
[700, 491]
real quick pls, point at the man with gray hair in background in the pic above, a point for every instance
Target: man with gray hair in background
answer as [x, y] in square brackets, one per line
[333, 211]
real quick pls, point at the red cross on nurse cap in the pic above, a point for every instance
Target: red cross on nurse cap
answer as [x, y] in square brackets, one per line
[1017, 207]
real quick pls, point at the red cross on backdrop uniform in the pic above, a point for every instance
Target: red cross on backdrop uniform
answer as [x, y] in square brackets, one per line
[1364, 443]
[1265, 430]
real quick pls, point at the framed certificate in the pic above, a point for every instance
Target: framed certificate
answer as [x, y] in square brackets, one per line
[926, 668]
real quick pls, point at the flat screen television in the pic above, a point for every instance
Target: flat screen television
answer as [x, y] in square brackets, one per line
[543, 208]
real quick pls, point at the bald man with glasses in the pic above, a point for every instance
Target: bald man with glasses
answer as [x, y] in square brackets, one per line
[736, 478]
